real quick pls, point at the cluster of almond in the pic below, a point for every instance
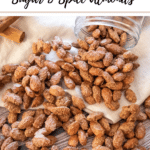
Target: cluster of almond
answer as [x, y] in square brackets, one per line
[8, 70]
[103, 69]
[6, 78]
[40, 124]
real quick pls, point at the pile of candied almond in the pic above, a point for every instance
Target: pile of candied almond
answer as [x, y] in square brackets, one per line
[103, 69]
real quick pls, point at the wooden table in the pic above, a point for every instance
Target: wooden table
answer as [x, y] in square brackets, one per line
[62, 137]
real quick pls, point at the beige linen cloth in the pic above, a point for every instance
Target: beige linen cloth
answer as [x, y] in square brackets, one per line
[63, 26]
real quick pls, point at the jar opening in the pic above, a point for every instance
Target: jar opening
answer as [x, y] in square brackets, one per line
[128, 25]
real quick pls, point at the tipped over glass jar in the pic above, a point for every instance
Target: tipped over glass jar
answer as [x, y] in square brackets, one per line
[131, 25]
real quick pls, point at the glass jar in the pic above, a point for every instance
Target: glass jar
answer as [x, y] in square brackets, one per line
[132, 25]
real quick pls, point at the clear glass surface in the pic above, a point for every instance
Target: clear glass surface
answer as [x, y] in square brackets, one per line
[132, 25]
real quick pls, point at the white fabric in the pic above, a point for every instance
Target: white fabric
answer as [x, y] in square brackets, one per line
[48, 27]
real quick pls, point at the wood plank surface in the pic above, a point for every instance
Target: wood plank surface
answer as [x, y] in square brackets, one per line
[62, 137]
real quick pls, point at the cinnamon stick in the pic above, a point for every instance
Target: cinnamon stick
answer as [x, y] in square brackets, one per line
[13, 34]
[6, 22]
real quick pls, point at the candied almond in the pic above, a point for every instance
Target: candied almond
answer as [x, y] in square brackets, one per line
[51, 123]
[96, 94]
[6, 130]
[69, 82]
[37, 101]
[86, 89]
[86, 76]
[82, 137]
[12, 117]
[83, 44]
[98, 141]
[12, 107]
[97, 129]
[61, 110]
[82, 121]
[26, 122]
[61, 53]
[130, 96]
[105, 124]
[52, 66]
[95, 71]
[78, 102]
[94, 55]
[105, 41]
[96, 33]
[75, 77]
[6, 142]
[73, 140]
[73, 128]
[140, 131]
[66, 46]
[118, 139]
[50, 98]
[131, 143]
[55, 79]
[114, 35]
[92, 28]
[99, 81]
[94, 116]
[114, 48]
[116, 95]
[17, 134]
[109, 143]
[56, 90]
[63, 101]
